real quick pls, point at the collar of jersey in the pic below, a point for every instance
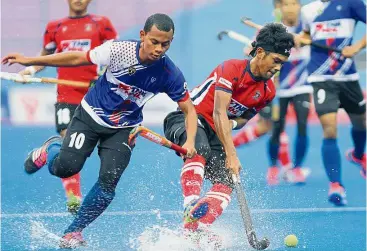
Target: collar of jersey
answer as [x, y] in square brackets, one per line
[86, 15]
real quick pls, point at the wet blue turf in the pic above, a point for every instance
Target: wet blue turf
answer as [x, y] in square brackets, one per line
[150, 184]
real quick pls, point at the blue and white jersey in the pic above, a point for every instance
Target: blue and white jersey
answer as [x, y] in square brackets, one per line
[293, 74]
[119, 95]
[332, 23]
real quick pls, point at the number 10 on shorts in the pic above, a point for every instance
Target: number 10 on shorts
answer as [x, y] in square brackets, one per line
[77, 140]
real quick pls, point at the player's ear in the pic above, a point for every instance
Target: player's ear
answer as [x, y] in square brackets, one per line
[142, 35]
[260, 52]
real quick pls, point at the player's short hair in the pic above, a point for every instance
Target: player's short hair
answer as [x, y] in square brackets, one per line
[273, 37]
[281, 1]
[161, 21]
[275, 2]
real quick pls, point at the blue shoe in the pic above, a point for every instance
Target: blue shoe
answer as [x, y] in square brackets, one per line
[337, 194]
[195, 211]
[37, 158]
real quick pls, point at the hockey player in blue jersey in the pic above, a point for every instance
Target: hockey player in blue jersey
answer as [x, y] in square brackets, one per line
[292, 88]
[136, 71]
[335, 82]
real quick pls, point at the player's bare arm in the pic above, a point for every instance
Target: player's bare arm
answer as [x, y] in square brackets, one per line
[191, 126]
[65, 59]
[303, 38]
[33, 69]
[224, 131]
[350, 51]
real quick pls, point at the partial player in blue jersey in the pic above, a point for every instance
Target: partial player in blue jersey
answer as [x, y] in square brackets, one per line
[292, 88]
[335, 82]
[136, 71]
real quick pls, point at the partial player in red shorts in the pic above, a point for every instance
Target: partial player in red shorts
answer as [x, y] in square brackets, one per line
[79, 31]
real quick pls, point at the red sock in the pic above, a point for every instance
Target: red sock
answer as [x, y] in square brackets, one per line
[218, 198]
[246, 136]
[72, 185]
[283, 155]
[192, 176]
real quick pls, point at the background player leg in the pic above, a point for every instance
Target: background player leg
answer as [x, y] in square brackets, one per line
[301, 105]
[72, 189]
[252, 132]
[331, 158]
[358, 155]
[326, 96]
[354, 103]
[273, 145]
[63, 115]
[263, 126]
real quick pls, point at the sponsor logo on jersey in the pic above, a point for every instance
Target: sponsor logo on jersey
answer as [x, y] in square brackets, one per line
[131, 70]
[131, 93]
[76, 45]
[257, 95]
[236, 109]
[88, 27]
[331, 26]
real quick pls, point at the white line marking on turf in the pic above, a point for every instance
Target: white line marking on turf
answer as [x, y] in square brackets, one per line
[173, 212]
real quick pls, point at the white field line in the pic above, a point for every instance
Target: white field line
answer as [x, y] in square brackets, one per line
[173, 212]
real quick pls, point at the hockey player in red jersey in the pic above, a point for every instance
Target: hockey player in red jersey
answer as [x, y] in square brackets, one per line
[79, 31]
[233, 93]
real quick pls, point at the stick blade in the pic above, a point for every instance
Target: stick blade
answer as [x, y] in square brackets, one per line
[244, 19]
[222, 34]
[258, 245]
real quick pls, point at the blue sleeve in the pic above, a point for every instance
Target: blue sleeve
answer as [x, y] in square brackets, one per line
[358, 10]
[177, 88]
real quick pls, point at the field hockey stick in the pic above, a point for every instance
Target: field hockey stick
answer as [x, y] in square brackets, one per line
[28, 79]
[246, 217]
[247, 21]
[156, 138]
[235, 36]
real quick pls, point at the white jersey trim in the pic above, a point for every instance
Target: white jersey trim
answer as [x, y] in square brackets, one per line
[285, 93]
[336, 78]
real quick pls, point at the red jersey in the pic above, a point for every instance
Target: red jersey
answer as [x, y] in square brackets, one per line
[77, 34]
[249, 94]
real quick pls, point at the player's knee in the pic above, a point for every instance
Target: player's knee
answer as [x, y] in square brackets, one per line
[330, 132]
[67, 164]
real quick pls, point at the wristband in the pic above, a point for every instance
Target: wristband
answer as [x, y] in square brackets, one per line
[234, 124]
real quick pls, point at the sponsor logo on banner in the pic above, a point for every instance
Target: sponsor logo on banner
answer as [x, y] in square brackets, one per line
[76, 45]
[32, 106]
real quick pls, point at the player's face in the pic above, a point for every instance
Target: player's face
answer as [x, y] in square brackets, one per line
[155, 43]
[78, 5]
[270, 63]
[290, 10]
